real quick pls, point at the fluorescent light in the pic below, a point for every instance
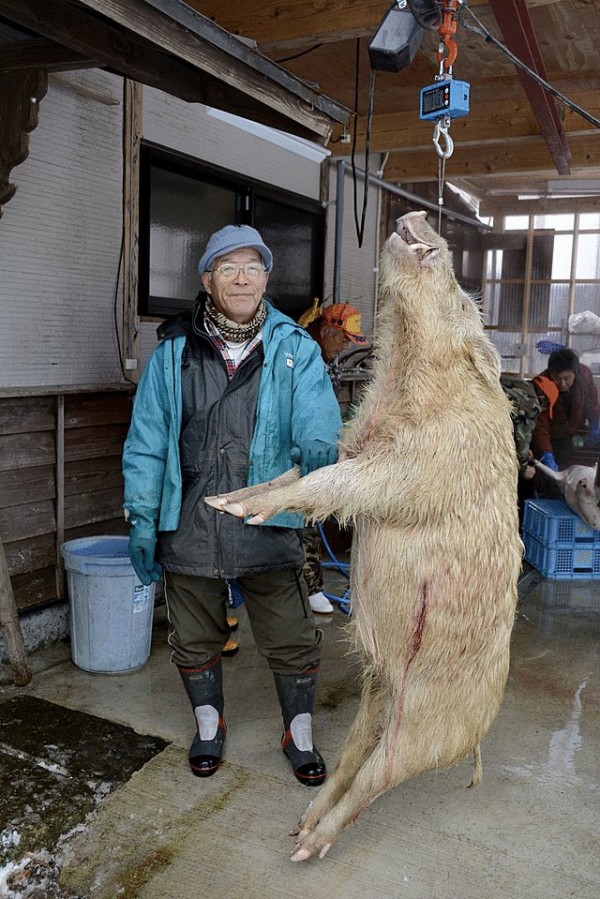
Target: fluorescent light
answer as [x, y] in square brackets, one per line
[299, 145]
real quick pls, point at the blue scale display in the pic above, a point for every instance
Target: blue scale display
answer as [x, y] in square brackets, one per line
[445, 98]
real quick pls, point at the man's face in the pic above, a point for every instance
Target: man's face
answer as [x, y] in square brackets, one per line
[563, 380]
[237, 295]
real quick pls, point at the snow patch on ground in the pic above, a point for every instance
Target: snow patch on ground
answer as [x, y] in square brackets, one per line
[35, 876]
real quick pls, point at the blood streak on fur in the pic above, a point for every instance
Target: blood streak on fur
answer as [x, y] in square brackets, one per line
[415, 646]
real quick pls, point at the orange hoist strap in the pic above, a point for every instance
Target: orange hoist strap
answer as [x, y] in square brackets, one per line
[447, 30]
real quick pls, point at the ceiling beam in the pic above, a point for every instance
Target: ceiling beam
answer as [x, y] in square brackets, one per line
[192, 59]
[491, 158]
[285, 24]
[229, 61]
[400, 131]
[493, 206]
[41, 54]
[517, 29]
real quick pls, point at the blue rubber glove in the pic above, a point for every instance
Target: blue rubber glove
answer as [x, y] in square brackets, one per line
[593, 437]
[314, 454]
[549, 460]
[141, 552]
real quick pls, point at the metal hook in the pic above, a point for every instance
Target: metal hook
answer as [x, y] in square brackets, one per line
[440, 133]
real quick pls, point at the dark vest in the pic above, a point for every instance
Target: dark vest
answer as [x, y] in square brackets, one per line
[216, 433]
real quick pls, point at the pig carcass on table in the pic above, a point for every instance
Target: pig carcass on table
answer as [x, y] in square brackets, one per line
[580, 487]
[427, 474]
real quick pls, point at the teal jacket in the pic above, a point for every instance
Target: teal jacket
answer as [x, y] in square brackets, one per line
[296, 404]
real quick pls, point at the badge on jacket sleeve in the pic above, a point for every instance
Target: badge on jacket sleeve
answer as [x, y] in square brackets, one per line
[289, 360]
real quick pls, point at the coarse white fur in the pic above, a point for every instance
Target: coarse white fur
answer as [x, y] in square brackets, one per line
[427, 475]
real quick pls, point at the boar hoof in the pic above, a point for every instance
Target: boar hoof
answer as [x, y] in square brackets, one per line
[256, 519]
[324, 850]
[300, 855]
[217, 502]
[236, 509]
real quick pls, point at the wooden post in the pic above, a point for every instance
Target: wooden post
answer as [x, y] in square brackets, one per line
[13, 638]
[132, 131]
[60, 494]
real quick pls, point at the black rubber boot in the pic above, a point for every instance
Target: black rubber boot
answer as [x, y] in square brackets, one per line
[296, 694]
[204, 686]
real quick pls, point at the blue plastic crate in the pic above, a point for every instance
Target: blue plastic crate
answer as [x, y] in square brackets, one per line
[579, 561]
[554, 524]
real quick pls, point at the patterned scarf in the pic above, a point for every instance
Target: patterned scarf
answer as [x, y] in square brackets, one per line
[233, 331]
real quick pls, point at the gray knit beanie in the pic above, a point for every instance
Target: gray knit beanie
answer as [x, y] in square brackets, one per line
[234, 237]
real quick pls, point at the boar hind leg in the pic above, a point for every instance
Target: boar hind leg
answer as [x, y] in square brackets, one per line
[392, 761]
[359, 744]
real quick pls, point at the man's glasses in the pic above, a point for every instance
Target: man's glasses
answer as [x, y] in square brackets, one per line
[230, 269]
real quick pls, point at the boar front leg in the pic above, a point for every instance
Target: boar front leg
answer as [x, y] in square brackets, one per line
[222, 499]
[344, 489]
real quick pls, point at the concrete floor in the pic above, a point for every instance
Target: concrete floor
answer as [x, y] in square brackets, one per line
[529, 831]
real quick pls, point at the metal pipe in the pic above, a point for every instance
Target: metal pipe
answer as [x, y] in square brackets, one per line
[426, 204]
[339, 229]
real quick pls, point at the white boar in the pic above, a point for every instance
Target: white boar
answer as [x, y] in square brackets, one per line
[580, 487]
[428, 477]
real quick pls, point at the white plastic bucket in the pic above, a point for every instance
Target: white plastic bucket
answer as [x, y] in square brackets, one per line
[111, 611]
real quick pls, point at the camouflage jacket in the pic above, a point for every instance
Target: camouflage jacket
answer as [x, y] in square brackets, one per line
[527, 403]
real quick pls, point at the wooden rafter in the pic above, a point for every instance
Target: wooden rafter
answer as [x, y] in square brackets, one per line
[516, 26]
[392, 131]
[504, 156]
[281, 24]
[41, 54]
[169, 46]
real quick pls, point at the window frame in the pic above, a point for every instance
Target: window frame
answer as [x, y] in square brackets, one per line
[523, 357]
[247, 192]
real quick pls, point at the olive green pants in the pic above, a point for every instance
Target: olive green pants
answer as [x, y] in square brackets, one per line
[282, 622]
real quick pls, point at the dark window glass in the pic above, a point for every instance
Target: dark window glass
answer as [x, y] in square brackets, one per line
[294, 236]
[182, 203]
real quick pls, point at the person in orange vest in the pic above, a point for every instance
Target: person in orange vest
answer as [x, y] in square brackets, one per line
[572, 401]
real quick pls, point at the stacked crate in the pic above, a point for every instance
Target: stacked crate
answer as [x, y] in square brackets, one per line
[558, 543]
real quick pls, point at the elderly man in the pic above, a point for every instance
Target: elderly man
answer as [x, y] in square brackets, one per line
[233, 395]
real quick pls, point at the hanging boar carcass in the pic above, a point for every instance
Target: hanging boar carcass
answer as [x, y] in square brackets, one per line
[427, 475]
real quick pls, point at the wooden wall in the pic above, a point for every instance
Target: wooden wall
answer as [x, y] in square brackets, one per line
[60, 478]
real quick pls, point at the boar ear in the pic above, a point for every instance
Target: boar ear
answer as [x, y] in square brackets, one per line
[485, 359]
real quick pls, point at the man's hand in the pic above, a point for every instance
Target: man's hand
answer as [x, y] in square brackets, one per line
[141, 553]
[314, 454]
